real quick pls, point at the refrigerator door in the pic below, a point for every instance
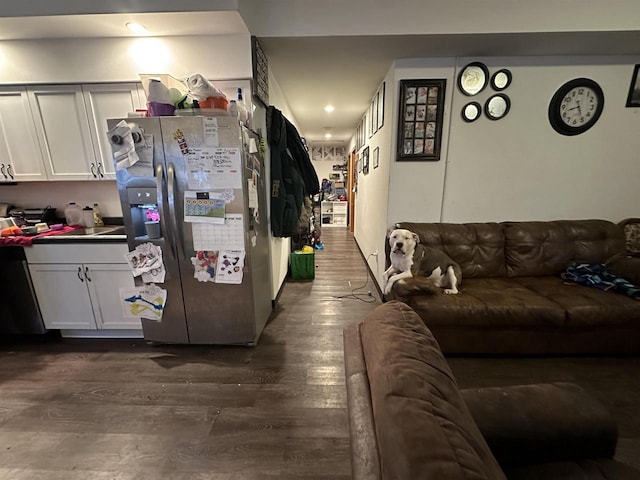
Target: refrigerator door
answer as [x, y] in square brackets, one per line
[145, 184]
[217, 313]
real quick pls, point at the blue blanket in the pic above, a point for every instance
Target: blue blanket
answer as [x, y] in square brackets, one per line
[597, 276]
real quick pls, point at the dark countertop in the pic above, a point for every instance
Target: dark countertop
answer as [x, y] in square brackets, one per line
[106, 234]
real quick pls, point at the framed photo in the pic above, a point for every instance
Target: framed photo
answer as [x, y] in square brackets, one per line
[633, 99]
[420, 119]
[372, 121]
[260, 67]
[365, 160]
[376, 157]
[381, 106]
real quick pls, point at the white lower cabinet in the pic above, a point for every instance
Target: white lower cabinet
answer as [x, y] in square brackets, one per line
[81, 296]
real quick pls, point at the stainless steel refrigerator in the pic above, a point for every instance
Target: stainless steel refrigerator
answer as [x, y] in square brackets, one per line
[181, 160]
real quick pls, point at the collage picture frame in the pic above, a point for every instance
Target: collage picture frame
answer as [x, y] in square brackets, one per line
[420, 119]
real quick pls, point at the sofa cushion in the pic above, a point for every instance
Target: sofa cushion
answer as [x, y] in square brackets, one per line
[489, 302]
[477, 247]
[548, 248]
[423, 427]
[585, 306]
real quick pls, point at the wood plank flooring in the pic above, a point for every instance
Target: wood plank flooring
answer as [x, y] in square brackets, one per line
[123, 410]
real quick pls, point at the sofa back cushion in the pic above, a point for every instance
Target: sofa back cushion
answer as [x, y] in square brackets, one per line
[423, 427]
[477, 247]
[548, 248]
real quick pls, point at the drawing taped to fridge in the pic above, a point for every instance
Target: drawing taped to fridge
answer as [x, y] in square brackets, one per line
[205, 186]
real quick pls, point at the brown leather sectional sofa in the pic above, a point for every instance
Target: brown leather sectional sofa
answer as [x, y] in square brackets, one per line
[513, 299]
[409, 420]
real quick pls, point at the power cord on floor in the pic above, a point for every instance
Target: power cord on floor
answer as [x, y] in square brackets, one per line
[368, 297]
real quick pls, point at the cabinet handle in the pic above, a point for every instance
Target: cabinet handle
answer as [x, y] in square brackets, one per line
[10, 172]
[80, 274]
[100, 170]
[2, 170]
[86, 274]
[93, 170]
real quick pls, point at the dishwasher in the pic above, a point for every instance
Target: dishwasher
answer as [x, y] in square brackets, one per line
[19, 311]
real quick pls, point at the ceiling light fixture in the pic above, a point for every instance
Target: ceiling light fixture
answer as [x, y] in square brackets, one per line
[136, 28]
[327, 135]
[329, 108]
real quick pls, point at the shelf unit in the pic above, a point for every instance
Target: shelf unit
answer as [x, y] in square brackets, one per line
[333, 214]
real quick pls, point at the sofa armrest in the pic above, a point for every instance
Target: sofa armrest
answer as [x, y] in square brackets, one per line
[627, 267]
[532, 424]
[365, 461]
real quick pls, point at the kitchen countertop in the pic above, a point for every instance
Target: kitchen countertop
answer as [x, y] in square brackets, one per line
[106, 234]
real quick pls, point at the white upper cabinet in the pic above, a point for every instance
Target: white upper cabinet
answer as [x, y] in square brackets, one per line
[20, 155]
[104, 101]
[63, 131]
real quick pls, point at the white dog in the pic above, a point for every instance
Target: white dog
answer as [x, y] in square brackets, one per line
[411, 259]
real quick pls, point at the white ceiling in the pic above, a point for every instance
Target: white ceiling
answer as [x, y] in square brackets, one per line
[344, 71]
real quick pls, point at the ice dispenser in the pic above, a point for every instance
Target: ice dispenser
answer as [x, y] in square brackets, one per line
[143, 202]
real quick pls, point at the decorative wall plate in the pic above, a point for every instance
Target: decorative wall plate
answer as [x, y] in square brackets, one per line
[497, 106]
[471, 111]
[501, 80]
[473, 78]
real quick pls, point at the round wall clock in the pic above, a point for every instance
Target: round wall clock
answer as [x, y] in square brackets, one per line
[497, 106]
[471, 111]
[576, 106]
[473, 78]
[501, 80]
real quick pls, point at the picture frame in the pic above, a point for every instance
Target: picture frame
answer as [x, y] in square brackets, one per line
[376, 157]
[260, 70]
[420, 119]
[365, 161]
[381, 106]
[633, 98]
[371, 118]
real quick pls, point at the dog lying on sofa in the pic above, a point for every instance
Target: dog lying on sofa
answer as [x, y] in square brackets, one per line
[431, 268]
[408, 419]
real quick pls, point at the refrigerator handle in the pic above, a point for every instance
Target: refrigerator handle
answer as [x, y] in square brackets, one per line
[160, 199]
[171, 200]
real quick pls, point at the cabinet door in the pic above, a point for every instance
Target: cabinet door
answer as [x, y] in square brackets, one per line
[103, 102]
[20, 156]
[104, 282]
[63, 131]
[62, 295]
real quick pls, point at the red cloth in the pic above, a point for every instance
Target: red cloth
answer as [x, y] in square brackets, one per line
[26, 241]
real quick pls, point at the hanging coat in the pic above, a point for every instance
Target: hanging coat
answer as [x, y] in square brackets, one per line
[292, 174]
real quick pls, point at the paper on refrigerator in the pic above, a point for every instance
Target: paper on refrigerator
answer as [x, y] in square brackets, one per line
[214, 168]
[147, 302]
[204, 207]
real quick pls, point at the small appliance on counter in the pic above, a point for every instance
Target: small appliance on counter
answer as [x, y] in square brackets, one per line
[32, 216]
[4, 209]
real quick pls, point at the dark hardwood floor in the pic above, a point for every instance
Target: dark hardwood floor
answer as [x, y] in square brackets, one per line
[123, 410]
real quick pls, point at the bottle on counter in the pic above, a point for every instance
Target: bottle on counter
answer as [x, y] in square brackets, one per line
[73, 214]
[97, 217]
[87, 219]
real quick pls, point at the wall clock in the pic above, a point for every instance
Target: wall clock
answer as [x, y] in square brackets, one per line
[473, 78]
[576, 106]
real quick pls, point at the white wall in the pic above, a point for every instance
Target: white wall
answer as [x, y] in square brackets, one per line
[517, 168]
[373, 191]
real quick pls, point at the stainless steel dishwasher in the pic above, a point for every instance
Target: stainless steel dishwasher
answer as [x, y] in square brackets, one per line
[19, 311]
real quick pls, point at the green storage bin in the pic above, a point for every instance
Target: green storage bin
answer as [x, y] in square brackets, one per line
[303, 265]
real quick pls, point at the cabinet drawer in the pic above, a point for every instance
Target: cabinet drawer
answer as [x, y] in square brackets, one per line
[77, 253]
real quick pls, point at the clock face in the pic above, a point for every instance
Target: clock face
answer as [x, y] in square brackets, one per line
[576, 106]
